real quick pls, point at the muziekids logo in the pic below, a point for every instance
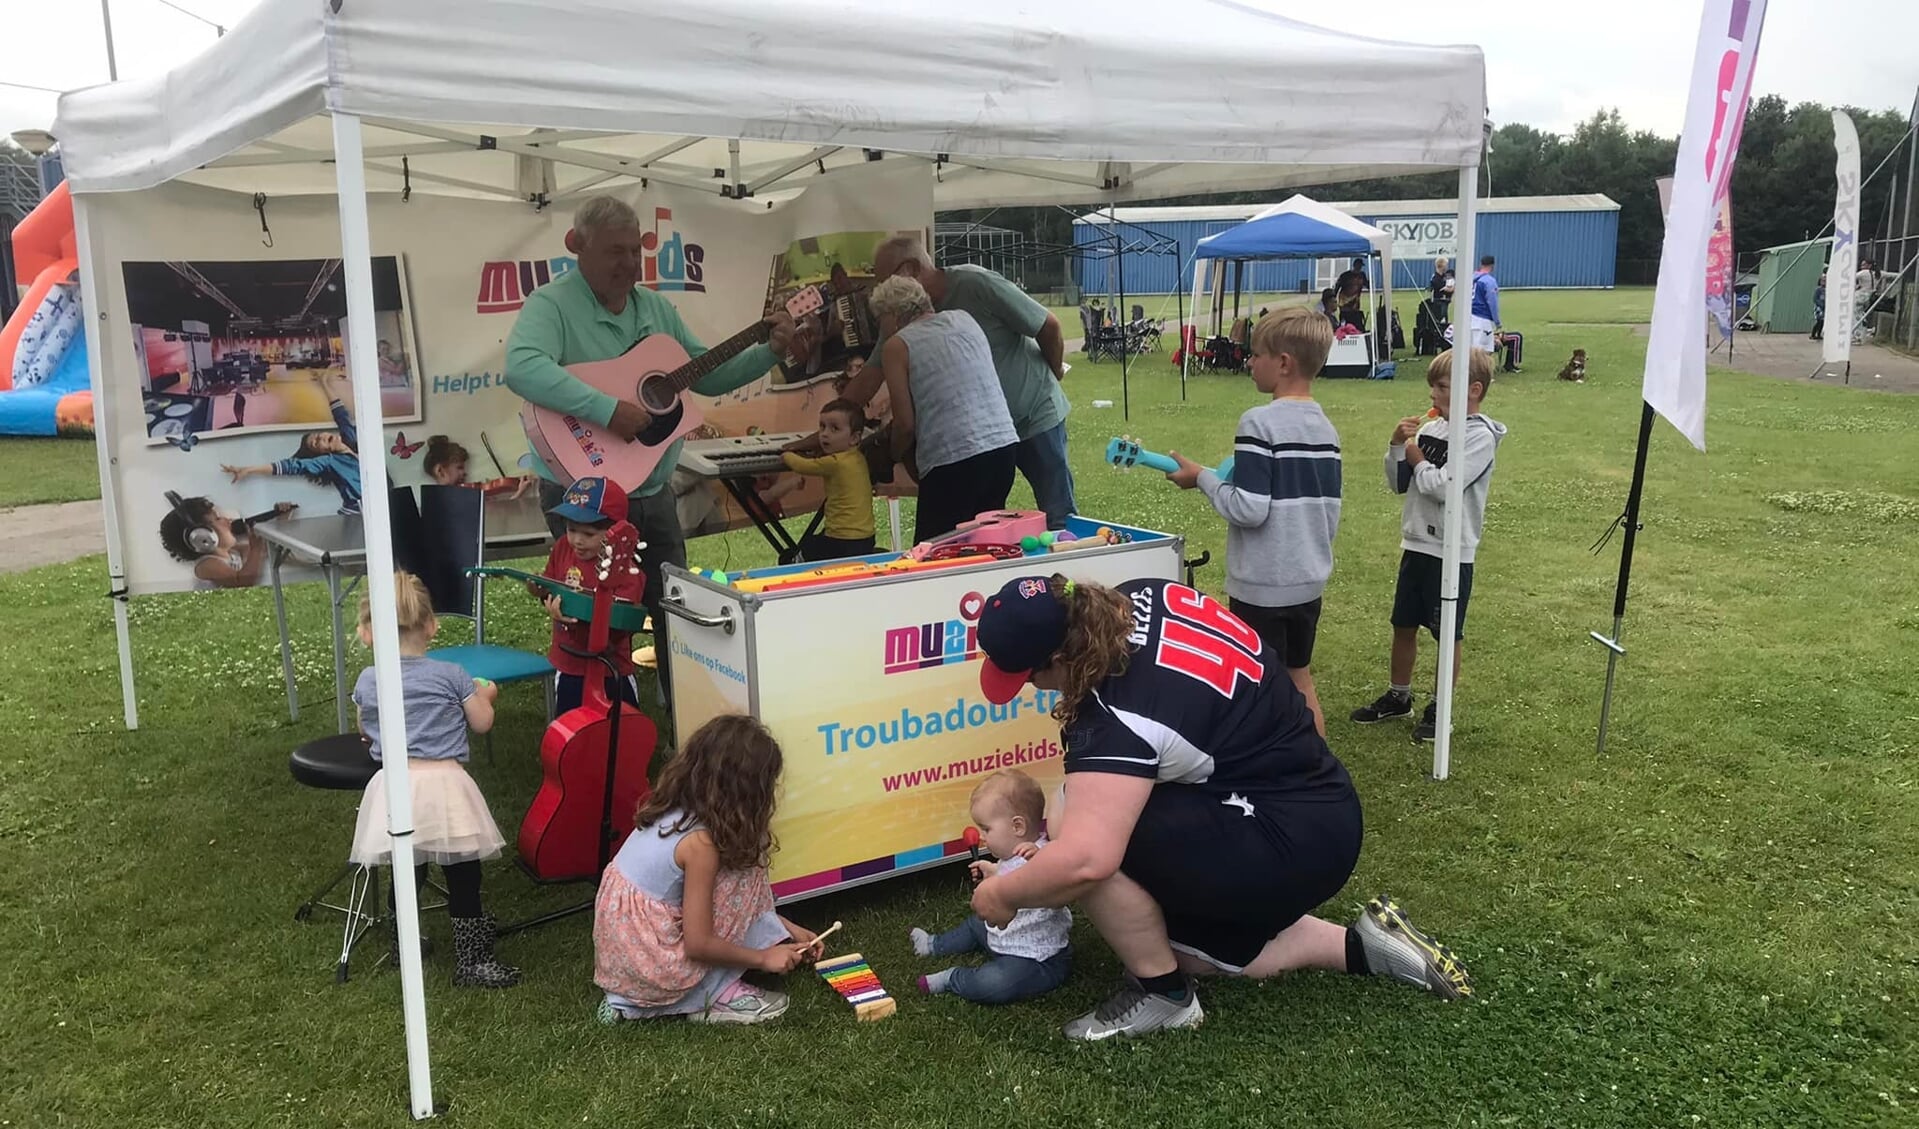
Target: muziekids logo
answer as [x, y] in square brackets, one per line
[667, 263]
[504, 285]
[939, 643]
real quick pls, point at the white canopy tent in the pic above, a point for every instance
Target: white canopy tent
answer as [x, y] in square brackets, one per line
[1005, 102]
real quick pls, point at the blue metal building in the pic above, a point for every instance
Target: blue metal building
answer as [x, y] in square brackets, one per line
[1564, 242]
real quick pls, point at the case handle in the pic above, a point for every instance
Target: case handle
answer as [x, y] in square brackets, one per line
[724, 621]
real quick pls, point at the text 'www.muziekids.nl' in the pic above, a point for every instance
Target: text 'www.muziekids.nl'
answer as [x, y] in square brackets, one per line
[1028, 752]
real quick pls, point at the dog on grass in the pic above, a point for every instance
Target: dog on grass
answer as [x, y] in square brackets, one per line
[1575, 369]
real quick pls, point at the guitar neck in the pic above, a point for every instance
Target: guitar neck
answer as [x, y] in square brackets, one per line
[697, 369]
[599, 630]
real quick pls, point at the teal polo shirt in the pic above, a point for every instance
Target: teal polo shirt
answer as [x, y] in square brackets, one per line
[563, 324]
[1011, 321]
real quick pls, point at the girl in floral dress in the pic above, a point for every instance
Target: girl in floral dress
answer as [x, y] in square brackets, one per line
[685, 908]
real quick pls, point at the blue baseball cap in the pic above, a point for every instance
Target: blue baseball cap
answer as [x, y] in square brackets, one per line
[590, 501]
[1020, 630]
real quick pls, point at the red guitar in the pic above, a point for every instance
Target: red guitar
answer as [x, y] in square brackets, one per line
[594, 757]
[655, 374]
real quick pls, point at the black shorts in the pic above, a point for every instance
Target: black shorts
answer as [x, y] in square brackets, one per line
[820, 547]
[959, 492]
[1229, 877]
[1290, 631]
[1416, 600]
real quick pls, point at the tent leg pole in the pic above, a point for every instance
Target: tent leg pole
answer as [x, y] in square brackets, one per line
[1455, 532]
[1119, 319]
[356, 268]
[94, 323]
[1179, 310]
[1624, 584]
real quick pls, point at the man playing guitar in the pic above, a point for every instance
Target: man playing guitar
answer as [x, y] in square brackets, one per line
[597, 312]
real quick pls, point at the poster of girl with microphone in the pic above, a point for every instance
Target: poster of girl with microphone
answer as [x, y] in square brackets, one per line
[216, 541]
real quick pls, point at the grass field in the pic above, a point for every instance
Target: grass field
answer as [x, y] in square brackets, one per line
[46, 470]
[1711, 925]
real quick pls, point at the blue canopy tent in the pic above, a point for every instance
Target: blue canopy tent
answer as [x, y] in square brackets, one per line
[1297, 228]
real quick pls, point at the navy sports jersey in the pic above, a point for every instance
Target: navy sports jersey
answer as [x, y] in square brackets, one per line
[1203, 701]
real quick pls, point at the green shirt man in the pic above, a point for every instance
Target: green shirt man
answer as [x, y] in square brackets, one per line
[565, 323]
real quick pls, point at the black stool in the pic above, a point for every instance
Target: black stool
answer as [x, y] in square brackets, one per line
[342, 762]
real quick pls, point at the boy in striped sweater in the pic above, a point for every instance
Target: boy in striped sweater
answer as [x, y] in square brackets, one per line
[1282, 503]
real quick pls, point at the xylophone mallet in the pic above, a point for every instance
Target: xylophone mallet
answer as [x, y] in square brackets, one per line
[819, 939]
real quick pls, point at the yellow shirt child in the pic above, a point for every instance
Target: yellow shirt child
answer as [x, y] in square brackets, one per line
[847, 530]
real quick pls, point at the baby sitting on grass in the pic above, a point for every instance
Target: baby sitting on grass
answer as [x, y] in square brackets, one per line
[1030, 956]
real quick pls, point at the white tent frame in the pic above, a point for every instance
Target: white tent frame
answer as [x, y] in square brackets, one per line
[230, 110]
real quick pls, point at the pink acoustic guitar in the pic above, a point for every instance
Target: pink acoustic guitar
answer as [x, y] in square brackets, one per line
[653, 374]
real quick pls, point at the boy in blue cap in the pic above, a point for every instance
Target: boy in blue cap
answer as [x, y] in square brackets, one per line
[589, 508]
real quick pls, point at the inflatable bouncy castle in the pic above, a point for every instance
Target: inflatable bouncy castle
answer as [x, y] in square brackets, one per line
[44, 387]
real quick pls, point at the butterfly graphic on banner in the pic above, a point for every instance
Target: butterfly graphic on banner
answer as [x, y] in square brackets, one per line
[404, 449]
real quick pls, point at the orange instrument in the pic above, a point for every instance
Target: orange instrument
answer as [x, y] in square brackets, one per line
[856, 572]
[594, 758]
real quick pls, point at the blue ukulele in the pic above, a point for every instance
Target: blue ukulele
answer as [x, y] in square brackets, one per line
[1126, 454]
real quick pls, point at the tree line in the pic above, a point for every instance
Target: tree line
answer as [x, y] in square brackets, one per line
[1782, 186]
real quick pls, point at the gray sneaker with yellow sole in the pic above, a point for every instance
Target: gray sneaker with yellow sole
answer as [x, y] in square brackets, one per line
[1396, 949]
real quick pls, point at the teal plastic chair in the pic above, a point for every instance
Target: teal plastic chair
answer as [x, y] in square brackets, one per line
[452, 540]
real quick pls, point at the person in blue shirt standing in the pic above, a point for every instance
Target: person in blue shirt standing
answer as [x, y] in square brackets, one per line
[1486, 321]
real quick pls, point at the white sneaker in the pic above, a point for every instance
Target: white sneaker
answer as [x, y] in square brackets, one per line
[1132, 1011]
[747, 1005]
[1399, 951]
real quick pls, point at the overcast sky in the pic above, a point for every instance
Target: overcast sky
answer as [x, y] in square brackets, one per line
[1632, 54]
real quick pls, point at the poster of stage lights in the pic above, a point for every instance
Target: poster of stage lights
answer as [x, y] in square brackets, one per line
[234, 348]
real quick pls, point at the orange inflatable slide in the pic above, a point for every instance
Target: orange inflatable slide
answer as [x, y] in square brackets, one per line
[44, 387]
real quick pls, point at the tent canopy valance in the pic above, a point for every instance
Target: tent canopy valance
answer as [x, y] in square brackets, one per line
[1013, 103]
[1297, 228]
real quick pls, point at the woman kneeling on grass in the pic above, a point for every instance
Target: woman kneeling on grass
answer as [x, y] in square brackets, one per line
[1203, 815]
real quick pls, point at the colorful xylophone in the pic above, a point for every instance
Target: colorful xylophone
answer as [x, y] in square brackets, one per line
[852, 978]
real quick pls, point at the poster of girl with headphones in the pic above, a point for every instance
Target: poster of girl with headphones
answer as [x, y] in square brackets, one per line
[215, 541]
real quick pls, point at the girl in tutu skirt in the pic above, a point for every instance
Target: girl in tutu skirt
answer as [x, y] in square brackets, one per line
[685, 908]
[451, 824]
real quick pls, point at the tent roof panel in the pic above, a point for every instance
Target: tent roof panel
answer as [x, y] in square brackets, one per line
[1109, 100]
[1296, 228]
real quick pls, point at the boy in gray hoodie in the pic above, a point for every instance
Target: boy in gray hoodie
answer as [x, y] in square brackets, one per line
[1420, 462]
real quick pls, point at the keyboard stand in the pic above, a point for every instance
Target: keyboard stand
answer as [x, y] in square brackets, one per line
[786, 549]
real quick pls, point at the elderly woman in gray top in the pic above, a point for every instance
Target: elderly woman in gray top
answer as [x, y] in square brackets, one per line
[950, 423]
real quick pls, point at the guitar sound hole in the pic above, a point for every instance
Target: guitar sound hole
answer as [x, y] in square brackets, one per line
[657, 395]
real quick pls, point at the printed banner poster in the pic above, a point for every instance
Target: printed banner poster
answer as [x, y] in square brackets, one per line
[223, 358]
[258, 346]
[1841, 276]
[1675, 375]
